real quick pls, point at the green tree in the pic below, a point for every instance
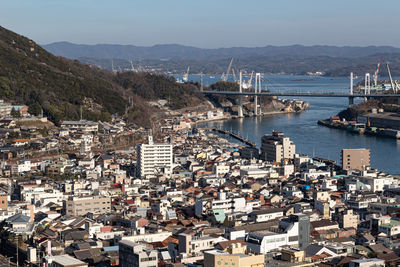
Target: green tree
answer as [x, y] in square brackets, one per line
[105, 116]
[15, 113]
[35, 109]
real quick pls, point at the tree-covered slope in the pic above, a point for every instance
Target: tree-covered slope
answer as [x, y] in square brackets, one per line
[30, 75]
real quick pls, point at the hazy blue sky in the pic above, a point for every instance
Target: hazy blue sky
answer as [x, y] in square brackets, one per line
[206, 23]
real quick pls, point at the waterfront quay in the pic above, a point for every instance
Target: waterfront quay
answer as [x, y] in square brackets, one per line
[380, 124]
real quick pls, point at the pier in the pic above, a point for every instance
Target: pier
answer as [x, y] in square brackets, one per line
[234, 135]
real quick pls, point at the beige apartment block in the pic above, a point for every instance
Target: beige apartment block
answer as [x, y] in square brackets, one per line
[355, 159]
[76, 206]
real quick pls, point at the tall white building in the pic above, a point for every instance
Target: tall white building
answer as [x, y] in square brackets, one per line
[277, 147]
[136, 255]
[5, 108]
[154, 158]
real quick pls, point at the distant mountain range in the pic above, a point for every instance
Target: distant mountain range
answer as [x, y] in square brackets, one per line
[175, 51]
[294, 59]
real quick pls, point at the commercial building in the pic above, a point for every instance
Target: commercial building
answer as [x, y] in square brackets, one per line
[5, 109]
[190, 245]
[65, 261]
[294, 230]
[76, 206]
[136, 255]
[374, 262]
[235, 256]
[81, 126]
[355, 159]
[3, 202]
[277, 147]
[388, 120]
[154, 158]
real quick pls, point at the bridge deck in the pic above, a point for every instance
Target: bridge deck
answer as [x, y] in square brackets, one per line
[305, 94]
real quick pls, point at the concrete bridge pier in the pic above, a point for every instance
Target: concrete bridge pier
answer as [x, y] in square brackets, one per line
[351, 101]
[240, 108]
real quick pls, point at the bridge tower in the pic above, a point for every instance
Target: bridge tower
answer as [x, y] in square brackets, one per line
[351, 98]
[257, 89]
[367, 86]
[240, 108]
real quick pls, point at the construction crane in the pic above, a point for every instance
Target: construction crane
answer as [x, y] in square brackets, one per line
[112, 66]
[225, 75]
[390, 77]
[376, 73]
[132, 68]
[248, 84]
[234, 75]
[186, 75]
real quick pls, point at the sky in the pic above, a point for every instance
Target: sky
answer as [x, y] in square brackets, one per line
[206, 23]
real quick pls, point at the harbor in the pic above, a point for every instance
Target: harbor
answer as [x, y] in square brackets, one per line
[359, 128]
[311, 138]
[235, 136]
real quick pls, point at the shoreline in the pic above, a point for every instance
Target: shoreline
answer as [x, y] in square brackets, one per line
[377, 132]
[270, 113]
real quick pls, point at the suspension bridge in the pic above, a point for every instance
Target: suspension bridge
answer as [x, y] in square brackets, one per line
[257, 92]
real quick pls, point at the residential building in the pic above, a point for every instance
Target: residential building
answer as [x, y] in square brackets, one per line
[194, 244]
[3, 202]
[154, 158]
[133, 254]
[75, 206]
[355, 159]
[5, 108]
[294, 230]
[81, 126]
[217, 258]
[265, 215]
[65, 261]
[374, 262]
[277, 147]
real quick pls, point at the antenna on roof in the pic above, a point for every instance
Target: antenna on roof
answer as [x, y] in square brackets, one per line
[81, 112]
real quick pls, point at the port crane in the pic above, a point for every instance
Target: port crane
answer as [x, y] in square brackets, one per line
[186, 75]
[393, 83]
[247, 85]
[112, 66]
[234, 76]
[376, 73]
[225, 75]
[132, 68]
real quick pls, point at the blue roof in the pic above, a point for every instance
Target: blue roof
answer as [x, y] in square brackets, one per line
[112, 248]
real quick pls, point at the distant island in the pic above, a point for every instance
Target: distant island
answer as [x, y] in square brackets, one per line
[332, 61]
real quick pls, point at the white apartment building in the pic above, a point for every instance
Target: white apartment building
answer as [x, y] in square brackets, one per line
[228, 205]
[154, 158]
[195, 244]
[22, 166]
[5, 109]
[376, 183]
[292, 231]
[277, 147]
[132, 254]
[148, 237]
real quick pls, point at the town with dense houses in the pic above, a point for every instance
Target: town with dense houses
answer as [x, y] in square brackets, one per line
[187, 197]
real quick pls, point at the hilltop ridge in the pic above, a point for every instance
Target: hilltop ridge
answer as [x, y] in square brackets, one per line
[31, 75]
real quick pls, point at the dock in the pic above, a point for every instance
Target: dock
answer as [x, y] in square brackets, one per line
[234, 135]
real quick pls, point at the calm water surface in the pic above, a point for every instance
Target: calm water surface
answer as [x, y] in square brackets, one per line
[309, 137]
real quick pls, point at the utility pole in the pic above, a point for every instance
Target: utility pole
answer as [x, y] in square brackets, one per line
[201, 82]
[17, 250]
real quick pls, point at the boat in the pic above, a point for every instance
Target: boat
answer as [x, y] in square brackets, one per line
[356, 128]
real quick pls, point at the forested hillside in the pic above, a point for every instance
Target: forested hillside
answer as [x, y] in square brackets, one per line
[30, 75]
